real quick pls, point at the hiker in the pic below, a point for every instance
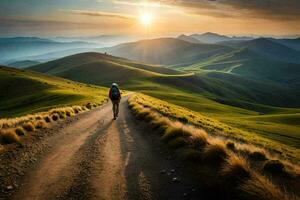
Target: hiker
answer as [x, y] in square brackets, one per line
[115, 97]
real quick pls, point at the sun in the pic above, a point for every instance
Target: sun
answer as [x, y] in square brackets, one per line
[146, 19]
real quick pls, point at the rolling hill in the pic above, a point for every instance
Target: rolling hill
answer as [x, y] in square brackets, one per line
[268, 48]
[249, 64]
[229, 97]
[166, 51]
[101, 69]
[23, 63]
[23, 92]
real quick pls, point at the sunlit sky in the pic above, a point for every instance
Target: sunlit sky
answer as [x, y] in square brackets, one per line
[153, 17]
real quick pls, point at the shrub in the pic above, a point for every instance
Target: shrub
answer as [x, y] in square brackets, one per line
[40, 124]
[55, 117]
[257, 155]
[28, 126]
[20, 131]
[215, 154]
[9, 136]
[47, 119]
[274, 166]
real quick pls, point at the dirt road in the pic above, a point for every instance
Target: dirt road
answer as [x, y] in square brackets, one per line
[96, 157]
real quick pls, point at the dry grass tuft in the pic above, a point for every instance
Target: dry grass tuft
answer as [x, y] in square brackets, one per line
[55, 117]
[29, 126]
[189, 154]
[177, 142]
[198, 139]
[215, 154]
[258, 155]
[9, 136]
[40, 124]
[47, 119]
[174, 131]
[235, 170]
[69, 113]
[20, 131]
[230, 145]
[274, 166]
[260, 188]
[158, 122]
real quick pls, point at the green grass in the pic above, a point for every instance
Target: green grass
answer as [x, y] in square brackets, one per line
[263, 107]
[288, 147]
[23, 92]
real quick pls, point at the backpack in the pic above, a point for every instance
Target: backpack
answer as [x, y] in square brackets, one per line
[115, 93]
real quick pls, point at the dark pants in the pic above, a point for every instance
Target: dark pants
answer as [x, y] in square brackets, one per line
[115, 107]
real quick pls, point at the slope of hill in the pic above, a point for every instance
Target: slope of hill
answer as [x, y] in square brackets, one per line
[23, 92]
[291, 43]
[188, 39]
[226, 96]
[251, 65]
[268, 48]
[101, 69]
[23, 63]
[167, 51]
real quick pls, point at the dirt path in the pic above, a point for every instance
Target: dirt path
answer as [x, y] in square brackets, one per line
[96, 157]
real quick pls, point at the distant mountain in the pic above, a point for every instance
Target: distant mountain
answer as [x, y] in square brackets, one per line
[101, 40]
[100, 69]
[23, 63]
[23, 39]
[166, 51]
[188, 39]
[22, 47]
[210, 37]
[213, 38]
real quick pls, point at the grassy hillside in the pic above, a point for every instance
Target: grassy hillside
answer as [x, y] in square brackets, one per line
[270, 48]
[231, 98]
[166, 51]
[100, 69]
[24, 92]
[251, 65]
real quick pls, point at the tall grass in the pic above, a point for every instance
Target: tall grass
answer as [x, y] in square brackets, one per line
[228, 156]
[12, 129]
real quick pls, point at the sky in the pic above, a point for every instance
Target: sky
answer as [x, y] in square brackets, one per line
[152, 17]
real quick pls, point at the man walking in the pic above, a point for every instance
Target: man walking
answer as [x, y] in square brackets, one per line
[115, 97]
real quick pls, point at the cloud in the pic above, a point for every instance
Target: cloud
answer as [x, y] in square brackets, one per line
[100, 14]
[265, 9]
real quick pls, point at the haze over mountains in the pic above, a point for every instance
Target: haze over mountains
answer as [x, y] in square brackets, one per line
[20, 49]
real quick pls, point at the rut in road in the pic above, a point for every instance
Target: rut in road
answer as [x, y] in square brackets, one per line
[96, 157]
